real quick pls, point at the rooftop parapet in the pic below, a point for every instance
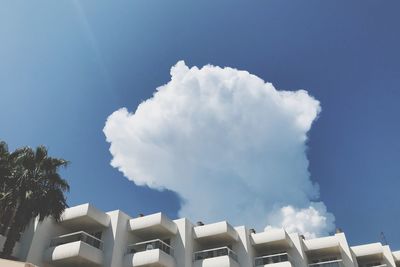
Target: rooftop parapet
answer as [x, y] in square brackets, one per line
[84, 216]
[217, 233]
[368, 252]
[396, 255]
[153, 226]
[271, 239]
[329, 245]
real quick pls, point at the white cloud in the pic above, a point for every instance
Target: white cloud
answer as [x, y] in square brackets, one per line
[232, 146]
[311, 222]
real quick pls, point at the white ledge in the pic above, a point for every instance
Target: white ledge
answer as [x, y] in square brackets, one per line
[373, 249]
[84, 216]
[220, 232]
[74, 253]
[154, 257]
[396, 255]
[273, 238]
[321, 243]
[221, 261]
[153, 226]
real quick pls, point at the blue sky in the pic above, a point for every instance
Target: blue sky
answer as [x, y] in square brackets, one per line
[65, 66]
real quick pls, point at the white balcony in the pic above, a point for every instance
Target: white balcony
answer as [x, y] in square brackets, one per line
[84, 217]
[216, 233]
[150, 253]
[153, 226]
[274, 239]
[275, 260]
[323, 246]
[368, 253]
[217, 257]
[76, 249]
[396, 256]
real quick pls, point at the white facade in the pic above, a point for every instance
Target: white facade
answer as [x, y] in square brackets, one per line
[89, 237]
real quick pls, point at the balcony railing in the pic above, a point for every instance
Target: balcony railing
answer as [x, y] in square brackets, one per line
[215, 252]
[329, 263]
[150, 245]
[269, 259]
[77, 236]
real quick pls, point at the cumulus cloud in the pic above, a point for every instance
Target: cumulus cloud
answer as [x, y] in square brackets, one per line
[229, 144]
[311, 222]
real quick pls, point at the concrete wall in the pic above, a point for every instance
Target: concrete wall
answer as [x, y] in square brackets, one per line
[297, 251]
[119, 224]
[43, 232]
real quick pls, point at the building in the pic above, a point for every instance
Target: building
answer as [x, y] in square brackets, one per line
[89, 237]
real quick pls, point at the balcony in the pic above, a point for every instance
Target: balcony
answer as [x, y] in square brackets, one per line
[220, 233]
[274, 239]
[396, 256]
[80, 249]
[150, 253]
[275, 260]
[153, 226]
[324, 246]
[84, 217]
[327, 263]
[217, 257]
[369, 253]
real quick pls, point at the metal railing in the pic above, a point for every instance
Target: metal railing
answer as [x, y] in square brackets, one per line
[330, 263]
[215, 252]
[77, 236]
[269, 259]
[150, 245]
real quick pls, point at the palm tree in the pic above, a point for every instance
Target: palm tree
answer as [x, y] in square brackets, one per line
[31, 187]
[6, 202]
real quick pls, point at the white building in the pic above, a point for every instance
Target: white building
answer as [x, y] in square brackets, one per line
[89, 237]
